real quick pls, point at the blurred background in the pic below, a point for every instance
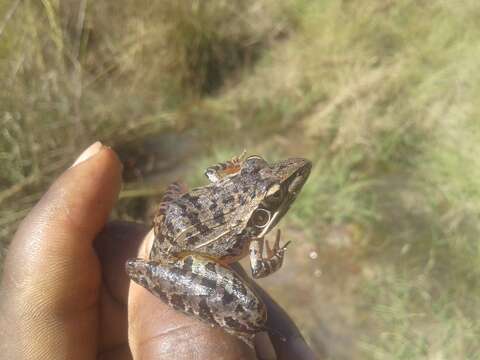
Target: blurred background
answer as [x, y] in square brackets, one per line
[382, 96]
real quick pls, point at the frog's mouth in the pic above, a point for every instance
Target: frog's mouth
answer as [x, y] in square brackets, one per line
[292, 186]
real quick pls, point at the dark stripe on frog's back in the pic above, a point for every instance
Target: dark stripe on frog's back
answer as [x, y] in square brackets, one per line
[211, 204]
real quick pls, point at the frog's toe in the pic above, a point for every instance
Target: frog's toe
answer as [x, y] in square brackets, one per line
[137, 270]
[132, 265]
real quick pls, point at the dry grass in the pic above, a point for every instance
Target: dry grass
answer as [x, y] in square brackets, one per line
[382, 95]
[76, 71]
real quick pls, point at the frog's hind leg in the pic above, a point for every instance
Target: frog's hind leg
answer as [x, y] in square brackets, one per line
[263, 266]
[173, 191]
[216, 172]
[205, 289]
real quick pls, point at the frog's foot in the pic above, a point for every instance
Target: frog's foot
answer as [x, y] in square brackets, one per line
[218, 171]
[263, 266]
[205, 289]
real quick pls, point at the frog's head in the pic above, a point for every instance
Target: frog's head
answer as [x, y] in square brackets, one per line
[283, 180]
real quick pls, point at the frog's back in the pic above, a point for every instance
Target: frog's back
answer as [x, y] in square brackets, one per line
[209, 219]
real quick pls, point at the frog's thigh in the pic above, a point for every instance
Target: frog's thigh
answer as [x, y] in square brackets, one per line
[205, 289]
[173, 191]
[216, 172]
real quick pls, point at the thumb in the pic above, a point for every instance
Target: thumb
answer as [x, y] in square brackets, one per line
[51, 278]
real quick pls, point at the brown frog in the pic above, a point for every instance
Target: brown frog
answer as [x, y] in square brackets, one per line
[198, 233]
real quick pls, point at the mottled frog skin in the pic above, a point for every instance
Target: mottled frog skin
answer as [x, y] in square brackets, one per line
[198, 233]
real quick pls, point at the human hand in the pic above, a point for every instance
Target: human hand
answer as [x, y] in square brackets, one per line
[65, 293]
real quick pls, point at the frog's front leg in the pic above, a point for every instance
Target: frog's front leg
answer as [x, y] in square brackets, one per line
[216, 172]
[203, 288]
[263, 266]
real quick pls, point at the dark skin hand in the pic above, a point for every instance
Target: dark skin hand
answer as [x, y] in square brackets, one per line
[65, 293]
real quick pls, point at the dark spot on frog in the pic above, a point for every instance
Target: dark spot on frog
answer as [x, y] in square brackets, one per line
[177, 207]
[202, 228]
[228, 200]
[193, 217]
[192, 199]
[239, 309]
[227, 298]
[211, 267]
[234, 324]
[209, 283]
[205, 313]
[169, 226]
[177, 301]
[219, 217]
[213, 206]
[243, 200]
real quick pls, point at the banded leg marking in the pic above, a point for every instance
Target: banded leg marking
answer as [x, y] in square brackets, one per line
[204, 289]
[263, 266]
[173, 191]
[218, 171]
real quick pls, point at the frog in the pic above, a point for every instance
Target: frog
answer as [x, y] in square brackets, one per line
[200, 233]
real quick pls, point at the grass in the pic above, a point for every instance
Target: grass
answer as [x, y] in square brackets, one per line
[382, 95]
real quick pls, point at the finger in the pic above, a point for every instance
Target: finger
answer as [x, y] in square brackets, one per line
[117, 242]
[288, 342]
[158, 331]
[52, 276]
[286, 338]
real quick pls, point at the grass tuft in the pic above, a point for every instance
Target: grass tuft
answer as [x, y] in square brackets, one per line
[381, 95]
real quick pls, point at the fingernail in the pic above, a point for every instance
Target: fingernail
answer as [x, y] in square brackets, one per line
[89, 152]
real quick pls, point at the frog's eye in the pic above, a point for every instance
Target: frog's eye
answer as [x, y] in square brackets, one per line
[274, 195]
[261, 217]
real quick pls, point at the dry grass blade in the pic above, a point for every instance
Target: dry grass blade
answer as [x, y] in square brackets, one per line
[8, 16]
